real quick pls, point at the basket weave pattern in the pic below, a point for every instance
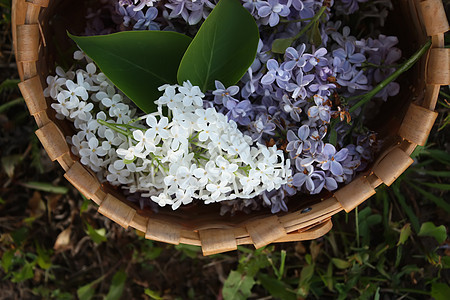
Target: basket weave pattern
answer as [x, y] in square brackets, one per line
[219, 236]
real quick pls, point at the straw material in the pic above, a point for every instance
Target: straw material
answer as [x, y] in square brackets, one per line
[434, 17]
[85, 182]
[311, 234]
[53, 140]
[163, 231]
[116, 210]
[35, 103]
[392, 166]
[417, 124]
[204, 227]
[265, 231]
[217, 240]
[354, 193]
[439, 60]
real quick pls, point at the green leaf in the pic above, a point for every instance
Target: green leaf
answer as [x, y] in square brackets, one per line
[429, 229]
[44, 257]
[405, 232]
[223, 49]
[191, 251]
[19, 236]
[237, 286]
[86, 292]
[153, 294]
[340, 263]
[305, 280]
[10, 162]
[137, 62]
[97, 235]
[277, 288]
[440, 291]
[117, 285]
[23, 274]
[46, 187]
[7, 259]
[280, 45]
[314, 35]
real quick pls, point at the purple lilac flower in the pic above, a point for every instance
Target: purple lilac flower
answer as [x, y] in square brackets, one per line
[298, 143]
[348, 56]
[222, 95]
[272, 10]
[294, 58]
[146, 21]
[262, 56]
[274, 72]
[275, 199]
[298, 88]
[240, 112]
[350, 6]
[305, 176]
[143, 3]
[330, 159]
[321, 110]
[291, 108]
[316, 59]
[261, 125]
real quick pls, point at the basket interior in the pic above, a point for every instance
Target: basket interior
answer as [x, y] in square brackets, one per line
[62, 16]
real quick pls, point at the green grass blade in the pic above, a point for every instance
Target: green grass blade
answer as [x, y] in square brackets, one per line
[437, 200]
[406, 208]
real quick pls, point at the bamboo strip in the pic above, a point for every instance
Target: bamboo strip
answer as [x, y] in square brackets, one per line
[163, 231]
[374, 181]
[116, 210]
[29, 69]
[310, 234]
[438, 70]
[66, 162]
[32, 15]
[27, 42]
[31, 90]
[190, 237]
[139, 223]
[42, 3]
[417, 115]
[354, 193]
[42, 118]
[431, 96]
[265, 231]
[53, 140]
[311, 222]
[317, 210]
[392, 166]
[83, 181]
[434, 17]
[217, 241]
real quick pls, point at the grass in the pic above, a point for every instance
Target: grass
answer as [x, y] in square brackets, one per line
[53, 244]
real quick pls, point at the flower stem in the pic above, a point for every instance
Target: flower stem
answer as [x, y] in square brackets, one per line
[114, 127]
[404, 67]
[295, 21]
[310, 24]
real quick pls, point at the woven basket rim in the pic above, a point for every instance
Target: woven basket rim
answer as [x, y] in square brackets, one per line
[216, 237]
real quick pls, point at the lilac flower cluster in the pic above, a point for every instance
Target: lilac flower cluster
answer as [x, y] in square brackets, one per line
[300, 100]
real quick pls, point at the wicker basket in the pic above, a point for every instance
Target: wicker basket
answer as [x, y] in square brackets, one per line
[201, 225]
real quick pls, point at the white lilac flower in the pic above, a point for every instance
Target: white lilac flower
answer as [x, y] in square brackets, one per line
[198, 154]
